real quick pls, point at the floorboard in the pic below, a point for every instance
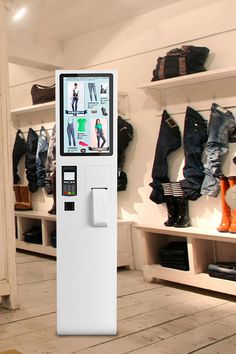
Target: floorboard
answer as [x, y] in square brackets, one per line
[152, 318]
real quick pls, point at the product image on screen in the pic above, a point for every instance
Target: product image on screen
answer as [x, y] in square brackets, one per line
[86, 114]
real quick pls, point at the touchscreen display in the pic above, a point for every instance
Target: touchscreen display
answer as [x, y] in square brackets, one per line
[86, 114]
[69, 176]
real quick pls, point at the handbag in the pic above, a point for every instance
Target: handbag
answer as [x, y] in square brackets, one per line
[42, 94]
[186, 60]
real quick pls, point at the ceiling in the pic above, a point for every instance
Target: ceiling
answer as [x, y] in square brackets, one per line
[64, 19]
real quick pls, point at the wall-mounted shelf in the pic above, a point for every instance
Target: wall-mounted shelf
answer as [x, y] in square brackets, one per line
[180, 81]
[33, 108]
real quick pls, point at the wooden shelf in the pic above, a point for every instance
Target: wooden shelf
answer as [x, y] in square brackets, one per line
[192, 231]
[33, 247]
[33, 108]
[204, 246]
[34, 214]
[201, 280]
[192, 79]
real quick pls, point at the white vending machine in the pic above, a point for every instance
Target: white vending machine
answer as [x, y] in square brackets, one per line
[86, 116]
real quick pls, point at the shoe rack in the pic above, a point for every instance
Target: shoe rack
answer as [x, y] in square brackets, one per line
[35, 116]
[205, 245]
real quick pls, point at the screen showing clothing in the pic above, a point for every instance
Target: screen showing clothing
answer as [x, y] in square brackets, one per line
[86, 114]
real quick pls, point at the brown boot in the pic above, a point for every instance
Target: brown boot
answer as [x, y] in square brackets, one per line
[226, 212]
[25, 198]
[232, 182]
[53, 180]
[17, 196]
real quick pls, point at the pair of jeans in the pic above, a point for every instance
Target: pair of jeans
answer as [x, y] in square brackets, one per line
[51, 162]
[71, 133]
[92, 91]
[41, 156]
[195, 136]
[100, 136]
[30, 159]
[168, 141]
[18, 151]
[221, 122]
[74, 103]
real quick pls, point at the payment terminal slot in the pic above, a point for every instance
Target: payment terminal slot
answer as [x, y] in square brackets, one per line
[69, 181]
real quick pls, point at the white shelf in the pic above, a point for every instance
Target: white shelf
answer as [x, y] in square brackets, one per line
[34, 214]
[192, 231]
[33, 247]
[180, 81]
[201, 280]
[33, 108]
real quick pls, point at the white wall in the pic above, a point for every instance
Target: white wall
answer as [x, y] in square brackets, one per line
[132, 48]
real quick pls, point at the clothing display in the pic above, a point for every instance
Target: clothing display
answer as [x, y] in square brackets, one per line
[18, 151]
[81, 124]
[221, 122]
[71, 133]
[195, 136]
[169, 140]
[174, 255]
[41, 156]
[30, 159]
[92, 91]
[51, 161]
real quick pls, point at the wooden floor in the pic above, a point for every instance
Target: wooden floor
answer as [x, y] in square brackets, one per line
[153, 318]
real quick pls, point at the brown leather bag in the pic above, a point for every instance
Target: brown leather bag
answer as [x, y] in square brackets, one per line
[42, 94]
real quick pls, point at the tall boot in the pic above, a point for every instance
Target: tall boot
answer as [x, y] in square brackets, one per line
[17, 196]
[170, 204]
[182, 219]
[25, 198]
[22, 198]
[53, 180]
[232, 228]
[226, 212]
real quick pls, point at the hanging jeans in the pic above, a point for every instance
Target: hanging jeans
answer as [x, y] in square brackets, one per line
[195, 136]
[41, 156]
[51, 162]
[30, 159]
[71, 133]
[168, 141]
[18, 152]
[100, 136]
[221, 122]
[74, 103]
[92, 91]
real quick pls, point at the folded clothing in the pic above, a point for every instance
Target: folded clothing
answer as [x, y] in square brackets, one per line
[174, 255]
[34, 235]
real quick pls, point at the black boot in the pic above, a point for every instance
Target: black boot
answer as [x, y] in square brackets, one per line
[53, 180]
[182, 219]
[171, 210]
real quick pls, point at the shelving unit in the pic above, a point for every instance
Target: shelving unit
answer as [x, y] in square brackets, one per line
[192, 79]
[37, 115]
[27, 219]
[204, 246]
